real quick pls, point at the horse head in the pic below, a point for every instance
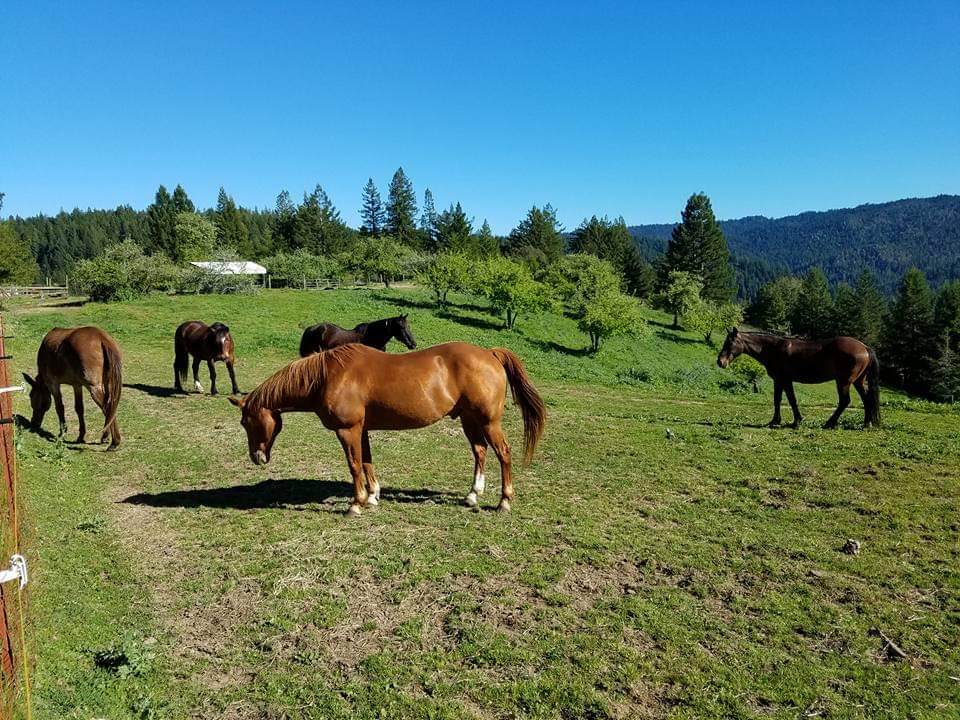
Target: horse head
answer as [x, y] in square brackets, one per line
[401, 332]
[40, 399]
[732, 347]
[262, 426]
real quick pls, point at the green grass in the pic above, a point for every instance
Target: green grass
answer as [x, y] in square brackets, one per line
[690, 574]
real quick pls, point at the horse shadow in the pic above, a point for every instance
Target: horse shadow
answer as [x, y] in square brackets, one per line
[160, 391]
[278, 493]
[23, 423]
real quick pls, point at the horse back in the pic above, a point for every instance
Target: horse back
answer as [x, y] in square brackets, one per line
[75, 356]
[813, 361]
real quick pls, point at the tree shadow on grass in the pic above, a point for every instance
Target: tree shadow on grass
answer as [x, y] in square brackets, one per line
[278, 493]
[471, 321]
[550, 345]
[673, 337]
[404, 302]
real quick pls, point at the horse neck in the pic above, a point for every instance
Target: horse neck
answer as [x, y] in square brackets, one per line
[378, 333]
[760, 347]
[299, 392]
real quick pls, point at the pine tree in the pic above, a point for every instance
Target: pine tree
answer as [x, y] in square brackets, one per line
[485, 242]
[161, 224]
[17, 266]
[813, 312]
[846, 312]
[947, 312]
[428, 221]
[284, 222]
[871, 309]
[372, 211]
[402, 209]
[538, 239]
[318, 227]
[910, 340]
[454, 229]
[182, 203]
[698, 246]
[232, 234]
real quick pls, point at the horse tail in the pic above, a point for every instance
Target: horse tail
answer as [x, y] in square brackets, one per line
[872, 409]
[526, 396]
[112, 382]
[181, 358]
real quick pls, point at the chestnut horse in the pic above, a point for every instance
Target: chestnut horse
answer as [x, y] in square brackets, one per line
[376, 334]
[211, 343]
[355, 389]
[844, 360]
[81, 357]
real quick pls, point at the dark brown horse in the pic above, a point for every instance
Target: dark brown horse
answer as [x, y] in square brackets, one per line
[211, 343]
[81, 357]
[376, 334]
[844, 360]
[355, 389]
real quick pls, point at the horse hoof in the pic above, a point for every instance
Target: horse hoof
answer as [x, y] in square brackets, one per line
[471, 500]
[504, 506]
[113, 447]
[372, 501]
[198, 387]
[81, 440]
[353, 511]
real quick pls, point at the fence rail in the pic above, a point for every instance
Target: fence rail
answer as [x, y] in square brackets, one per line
[36, 291]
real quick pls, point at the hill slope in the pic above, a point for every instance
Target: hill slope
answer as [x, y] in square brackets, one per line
[887, 238]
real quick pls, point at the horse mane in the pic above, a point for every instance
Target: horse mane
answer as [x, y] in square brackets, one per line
[299, 379]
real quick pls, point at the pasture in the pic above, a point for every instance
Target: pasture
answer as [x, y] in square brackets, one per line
[666, 556]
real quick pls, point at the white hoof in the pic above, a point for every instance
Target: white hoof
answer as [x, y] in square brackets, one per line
[353, 511]
[471, 499]
[504, 505]
[372, 501]
[197, 386]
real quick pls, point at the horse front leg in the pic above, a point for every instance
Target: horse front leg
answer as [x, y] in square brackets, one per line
[233, 377]
[196, 375]
[373, 486]
[843, 400]
[478, 444]
[797, 418]
[777, 398]
[213, 377]
[78, 407]
[61, 413]
[351, 440]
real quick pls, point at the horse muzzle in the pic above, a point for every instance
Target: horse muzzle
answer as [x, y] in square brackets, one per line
[723, 361]
[259, 457]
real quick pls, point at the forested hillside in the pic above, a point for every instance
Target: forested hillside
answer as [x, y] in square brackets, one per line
[886, 239]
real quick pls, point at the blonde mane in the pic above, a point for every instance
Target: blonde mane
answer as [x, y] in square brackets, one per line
[299, 379]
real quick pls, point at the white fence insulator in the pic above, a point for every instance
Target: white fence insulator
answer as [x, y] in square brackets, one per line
[12, 388]
[17, 571]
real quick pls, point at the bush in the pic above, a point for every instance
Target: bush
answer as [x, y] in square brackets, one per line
[444, 272]
[123, 272]
[510, 288]
[706, 318]
[300, 264]
[197, 281]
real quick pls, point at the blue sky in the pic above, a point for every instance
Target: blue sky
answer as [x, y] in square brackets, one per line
[606, 108]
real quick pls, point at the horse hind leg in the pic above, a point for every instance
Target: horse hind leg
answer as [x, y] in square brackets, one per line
[96, 392]
[478, 443]
[843, 392]
[497, 440]
[864, 398]
[78, 407]
[373, 485]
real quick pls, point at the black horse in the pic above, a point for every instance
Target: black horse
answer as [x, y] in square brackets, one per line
[377, 334]
[845, 360]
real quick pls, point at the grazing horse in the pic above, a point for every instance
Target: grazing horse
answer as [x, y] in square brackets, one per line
[376, 334]
[81, 357]
[211, 343]
[787, 360]
[355, 389]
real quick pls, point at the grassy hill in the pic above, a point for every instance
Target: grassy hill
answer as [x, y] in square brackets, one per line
[643, 573]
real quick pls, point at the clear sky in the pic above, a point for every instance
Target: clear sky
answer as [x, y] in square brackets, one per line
[595, 107]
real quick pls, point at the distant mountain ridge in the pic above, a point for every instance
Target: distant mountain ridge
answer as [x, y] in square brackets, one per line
[886, 238]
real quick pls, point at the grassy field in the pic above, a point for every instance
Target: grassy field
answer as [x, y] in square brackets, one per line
[667, 556]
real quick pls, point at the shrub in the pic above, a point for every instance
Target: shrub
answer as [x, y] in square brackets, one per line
[123, 272]
[510, 288]
[706, 318]
[444, 272]
[300, 264]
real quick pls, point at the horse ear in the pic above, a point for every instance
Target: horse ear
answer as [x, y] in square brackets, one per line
[30, 381]
[238, 401]
[404, 316]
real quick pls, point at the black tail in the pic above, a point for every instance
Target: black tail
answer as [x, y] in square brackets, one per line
[181, 358]
[871, 411]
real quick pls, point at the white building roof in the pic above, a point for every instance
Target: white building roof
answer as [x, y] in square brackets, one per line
[238, 267]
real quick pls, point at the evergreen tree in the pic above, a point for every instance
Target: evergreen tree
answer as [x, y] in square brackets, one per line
[538, 239]
[232, 234]
[946, 375]
[947, 313]
[402, 209]
[284, 222]
[17, 266]
[870, 310]
[372, 211]
[612, 241]
[485, 243]
[698, 246]
[774, 307]
[846, 312]
[428, 221]
[318, 227]
[454, 229]
[196, 238]
[813, 312]
[182, 203]
[910, 339]
[161, 222]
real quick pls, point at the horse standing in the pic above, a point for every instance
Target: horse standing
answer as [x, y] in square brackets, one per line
[212, 344]
[376, 334]
[81, 357]
[355, 389]
[844, 360]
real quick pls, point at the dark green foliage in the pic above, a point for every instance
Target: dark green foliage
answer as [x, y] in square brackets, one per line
[910, 339]
[775, 304]
[428, 222]
[123, 272]
[611, 241]
[318, 227]
[886, 239]
[697, 246]
[284, 222]
[161, 221]
[453, 230]
[182, 203]
[231, 230]
[485, 243]
[17, 266]
[947, 312]
[538, 239]
[402, 209]
[813, 313]
[371, 210]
